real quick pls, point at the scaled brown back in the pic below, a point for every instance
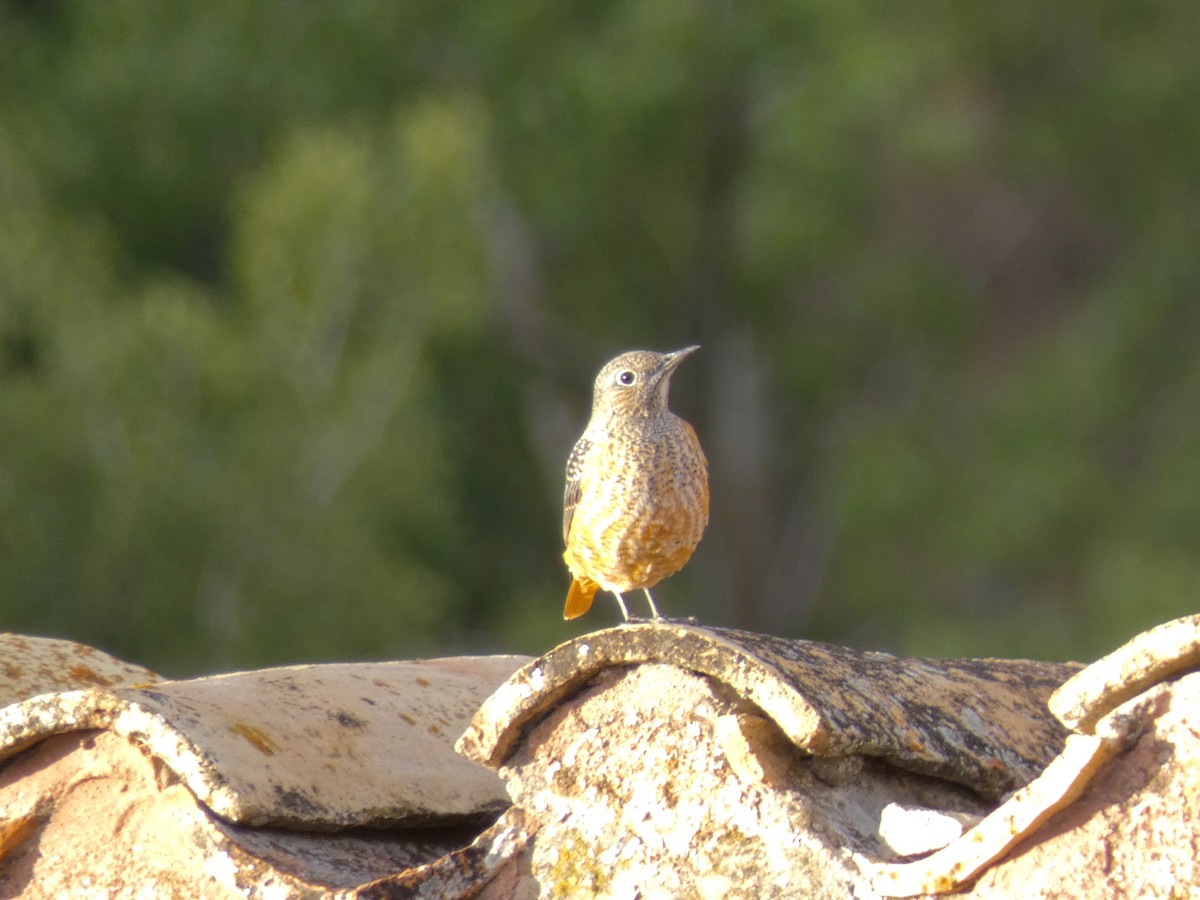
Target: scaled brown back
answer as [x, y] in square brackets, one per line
[636, 501]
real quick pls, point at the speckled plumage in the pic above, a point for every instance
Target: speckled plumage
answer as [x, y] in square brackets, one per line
[636, 500]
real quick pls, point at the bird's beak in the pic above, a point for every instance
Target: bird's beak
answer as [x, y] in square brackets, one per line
[672, 360]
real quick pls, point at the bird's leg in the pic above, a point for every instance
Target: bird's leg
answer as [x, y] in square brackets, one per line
[653, 609]
[621, 603]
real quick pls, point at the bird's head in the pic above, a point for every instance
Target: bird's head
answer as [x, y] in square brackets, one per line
[637, 382]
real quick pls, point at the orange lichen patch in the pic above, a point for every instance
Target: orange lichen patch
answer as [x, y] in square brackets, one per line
[257, 738]
[87, 675]
[407, 718]
[30, 666]
[423, 682]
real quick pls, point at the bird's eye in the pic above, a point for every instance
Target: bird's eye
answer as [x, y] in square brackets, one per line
[627, 378]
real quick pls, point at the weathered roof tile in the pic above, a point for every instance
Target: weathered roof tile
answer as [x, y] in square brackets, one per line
[982, 723]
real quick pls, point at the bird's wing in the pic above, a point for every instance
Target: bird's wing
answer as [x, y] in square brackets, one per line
[571, 493]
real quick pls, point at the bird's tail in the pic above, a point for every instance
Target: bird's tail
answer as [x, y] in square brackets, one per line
[579, 597]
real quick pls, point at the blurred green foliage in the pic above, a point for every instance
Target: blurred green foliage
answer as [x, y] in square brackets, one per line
[300, 307]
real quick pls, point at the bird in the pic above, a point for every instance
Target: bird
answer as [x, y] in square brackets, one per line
[636, 498]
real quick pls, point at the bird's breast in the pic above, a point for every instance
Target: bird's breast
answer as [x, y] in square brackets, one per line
[643, 506]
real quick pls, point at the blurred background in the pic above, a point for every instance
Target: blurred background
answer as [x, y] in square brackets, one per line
[301, 303]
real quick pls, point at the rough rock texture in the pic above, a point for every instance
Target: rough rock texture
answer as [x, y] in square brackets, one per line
[670, 760]
[37, 665]
[1111, 704]
[1151, 657]
[306, 746]
[980, 722]
[665, 759]
[635, 796]
[1135, 832]
[494, 867]
[292, 782]
[650, 760]
[992, 837]
[113, 822]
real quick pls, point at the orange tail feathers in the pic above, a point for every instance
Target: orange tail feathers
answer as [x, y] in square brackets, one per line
[14, 832]
[579, 597]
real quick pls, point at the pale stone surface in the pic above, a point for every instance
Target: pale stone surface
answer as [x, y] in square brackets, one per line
[163, 790]
[309, 746]
[1151, 657]
[981, 723]
[649, 760]
[634, 796]
[754, 747]
[1111, 703]
[1135, 832]
[1002, 829]
[913, 830]
[38, 665]
[114, 823]
[670, 760]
